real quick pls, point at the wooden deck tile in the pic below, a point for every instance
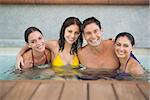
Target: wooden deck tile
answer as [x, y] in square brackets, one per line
[22, 91]
[48, 91]
[101, 91]
[5, 87]
[128, 91]
[145, 88]
[74, 91]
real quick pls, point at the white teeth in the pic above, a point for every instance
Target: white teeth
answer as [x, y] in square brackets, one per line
[71, 39]
[39, 47]
[120, 53]
[93, 41]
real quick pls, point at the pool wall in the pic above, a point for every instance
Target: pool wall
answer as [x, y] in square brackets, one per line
[15, 19]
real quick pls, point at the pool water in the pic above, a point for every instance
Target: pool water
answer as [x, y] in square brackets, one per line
[8, 72]
[32, 74]
[6, 62]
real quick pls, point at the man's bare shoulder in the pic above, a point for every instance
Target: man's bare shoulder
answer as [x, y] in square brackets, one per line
[82, 49]
[108, 42]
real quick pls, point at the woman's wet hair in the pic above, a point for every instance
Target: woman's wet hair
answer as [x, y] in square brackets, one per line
[29, 30]
[78, 43]
[89, 21]
[128, 35]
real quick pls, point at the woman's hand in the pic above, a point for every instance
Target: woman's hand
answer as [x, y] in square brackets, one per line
[19, 62]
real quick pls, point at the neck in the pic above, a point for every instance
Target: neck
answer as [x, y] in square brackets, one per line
[96, 49]
[67, 47]
[38, 54]
[124, 62]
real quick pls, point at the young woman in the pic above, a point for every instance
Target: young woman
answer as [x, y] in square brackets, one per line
[64, 57]
[36, 54]
[64, 51]
[124, 44]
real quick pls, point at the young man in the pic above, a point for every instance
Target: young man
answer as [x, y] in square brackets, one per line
[98, 53]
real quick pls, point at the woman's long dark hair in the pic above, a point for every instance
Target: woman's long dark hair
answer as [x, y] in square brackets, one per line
[78, 43]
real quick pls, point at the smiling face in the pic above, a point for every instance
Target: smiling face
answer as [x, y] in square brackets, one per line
[71, 33]
[93, 34]
[36, 41]
[123, 47]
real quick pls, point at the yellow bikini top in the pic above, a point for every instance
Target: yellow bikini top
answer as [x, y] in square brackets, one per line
[58, 62]
[60, 70]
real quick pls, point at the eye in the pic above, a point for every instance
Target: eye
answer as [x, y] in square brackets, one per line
[118, 44]
[33, 41]
[70, 31]
[77, 33]
[88, 33]
[40, 38]
[126, 45]
[95, 31]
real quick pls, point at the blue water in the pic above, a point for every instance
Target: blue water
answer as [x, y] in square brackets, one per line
[7, 66]
[6, 61]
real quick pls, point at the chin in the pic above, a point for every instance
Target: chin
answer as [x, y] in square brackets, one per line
[71, 42]
[40, 50]
[120, 56]
[94, 44]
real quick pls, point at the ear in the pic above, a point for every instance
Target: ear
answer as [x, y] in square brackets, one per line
[133, 47]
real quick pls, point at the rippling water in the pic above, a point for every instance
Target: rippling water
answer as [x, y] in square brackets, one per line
[8, 72]
[33, 74]
[45, 73]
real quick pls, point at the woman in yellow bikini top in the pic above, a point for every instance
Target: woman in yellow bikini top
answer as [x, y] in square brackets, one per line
[66, 47]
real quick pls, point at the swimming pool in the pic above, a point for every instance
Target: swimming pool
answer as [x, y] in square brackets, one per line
[8, 59]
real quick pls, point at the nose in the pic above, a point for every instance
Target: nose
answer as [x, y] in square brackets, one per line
[121, 48]
[72, 35]
[39, 41]
[93, 35]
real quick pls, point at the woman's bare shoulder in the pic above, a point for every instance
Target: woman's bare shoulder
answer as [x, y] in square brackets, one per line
[27, 55]
[48, 51]
[136, 68]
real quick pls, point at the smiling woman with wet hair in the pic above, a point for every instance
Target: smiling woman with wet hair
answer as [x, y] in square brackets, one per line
[124, 45]
[36, 54]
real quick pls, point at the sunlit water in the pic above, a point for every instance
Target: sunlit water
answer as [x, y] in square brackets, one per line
[8, 72]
